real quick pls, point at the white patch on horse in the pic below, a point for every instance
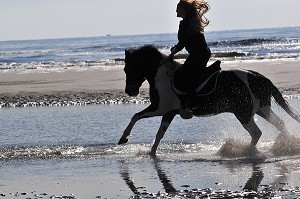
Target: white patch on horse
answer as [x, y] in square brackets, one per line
[163, 84]
[243, 75]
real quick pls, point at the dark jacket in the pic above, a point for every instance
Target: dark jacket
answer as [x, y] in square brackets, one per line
[196, 62]
[194, 43]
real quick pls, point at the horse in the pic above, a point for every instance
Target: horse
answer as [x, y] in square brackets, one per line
[241, 92]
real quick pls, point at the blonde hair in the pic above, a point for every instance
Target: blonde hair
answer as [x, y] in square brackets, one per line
[196, 10]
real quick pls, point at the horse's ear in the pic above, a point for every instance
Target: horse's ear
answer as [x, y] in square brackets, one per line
[127, 52]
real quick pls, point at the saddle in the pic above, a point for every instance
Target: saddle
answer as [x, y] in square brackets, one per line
[205, 82]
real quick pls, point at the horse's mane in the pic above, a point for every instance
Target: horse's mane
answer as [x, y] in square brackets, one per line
[146, 49]
[147, 54]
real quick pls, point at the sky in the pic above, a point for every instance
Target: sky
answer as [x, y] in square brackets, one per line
[45, 19]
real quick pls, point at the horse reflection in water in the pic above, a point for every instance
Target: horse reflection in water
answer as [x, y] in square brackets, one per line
[166, 182]
[252, 184]
[241, 92]
[252, 187]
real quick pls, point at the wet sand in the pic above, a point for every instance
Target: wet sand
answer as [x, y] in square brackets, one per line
[64, 87]
[99, 86]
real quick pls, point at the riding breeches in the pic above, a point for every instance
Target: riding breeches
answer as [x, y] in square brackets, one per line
[194, 65]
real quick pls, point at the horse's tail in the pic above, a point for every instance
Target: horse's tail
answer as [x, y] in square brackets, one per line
[282, 102]
[264, 86]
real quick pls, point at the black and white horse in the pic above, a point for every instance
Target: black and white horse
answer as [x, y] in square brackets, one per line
[241, 92]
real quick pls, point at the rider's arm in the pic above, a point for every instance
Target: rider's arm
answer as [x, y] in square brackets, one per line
[181, 39]
[174, 50]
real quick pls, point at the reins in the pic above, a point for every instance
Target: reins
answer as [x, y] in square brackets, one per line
[166, 61]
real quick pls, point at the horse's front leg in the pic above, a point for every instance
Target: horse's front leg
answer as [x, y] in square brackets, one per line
[148, 112]
[165, 123]
[126, 134]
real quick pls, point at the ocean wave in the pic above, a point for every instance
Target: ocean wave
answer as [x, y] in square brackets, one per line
[102, 48]
[229, 54]
[254, 41]
[244, 42]
[239, 56]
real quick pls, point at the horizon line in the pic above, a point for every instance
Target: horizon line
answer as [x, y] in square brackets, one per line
[119, 35]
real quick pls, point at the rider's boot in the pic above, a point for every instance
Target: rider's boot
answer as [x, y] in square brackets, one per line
[184, 111]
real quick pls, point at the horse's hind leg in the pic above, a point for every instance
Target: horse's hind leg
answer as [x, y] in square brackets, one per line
[253, 130]
[267, 113]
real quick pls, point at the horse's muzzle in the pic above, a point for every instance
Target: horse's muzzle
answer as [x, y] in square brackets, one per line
[132, 90]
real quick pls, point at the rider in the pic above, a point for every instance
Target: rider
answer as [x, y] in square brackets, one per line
[191, 37]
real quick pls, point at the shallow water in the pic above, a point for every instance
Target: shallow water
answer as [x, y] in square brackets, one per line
[72, 150]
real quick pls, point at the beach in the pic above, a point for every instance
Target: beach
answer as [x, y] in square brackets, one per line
[181, 169]
[63, 109]
[98, 85]
[63, 87]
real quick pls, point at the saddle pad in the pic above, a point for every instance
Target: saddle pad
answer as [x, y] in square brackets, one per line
[206, 87]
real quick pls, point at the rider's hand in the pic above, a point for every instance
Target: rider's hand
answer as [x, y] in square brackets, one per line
[172, 48]
[173, 52]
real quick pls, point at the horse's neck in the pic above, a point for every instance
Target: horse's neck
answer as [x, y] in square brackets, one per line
[166, 71]
[171, 67]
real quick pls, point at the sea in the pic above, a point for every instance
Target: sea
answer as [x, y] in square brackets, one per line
[108, 51]
[72, 151]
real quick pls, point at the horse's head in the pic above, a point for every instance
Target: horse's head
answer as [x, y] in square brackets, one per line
[134, 75]
[140, 64]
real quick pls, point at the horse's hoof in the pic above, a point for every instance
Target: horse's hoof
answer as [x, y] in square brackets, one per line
[152, 155]
[122, 141]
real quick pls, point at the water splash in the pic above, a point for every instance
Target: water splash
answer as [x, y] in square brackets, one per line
[235, 149]
[286, 145]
